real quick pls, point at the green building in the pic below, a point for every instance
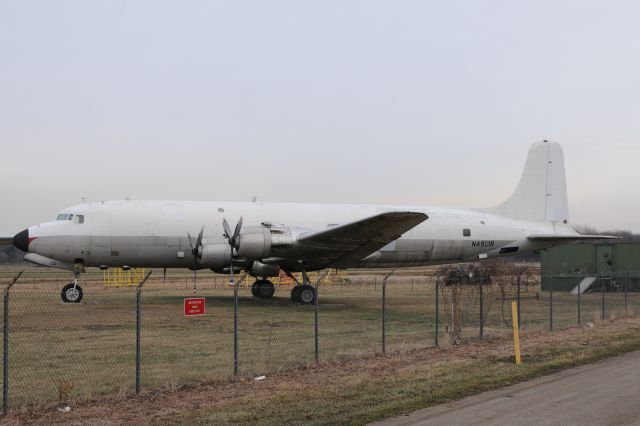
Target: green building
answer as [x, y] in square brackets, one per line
[618, 265]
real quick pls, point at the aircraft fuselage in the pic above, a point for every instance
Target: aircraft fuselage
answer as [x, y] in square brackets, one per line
[154, 233]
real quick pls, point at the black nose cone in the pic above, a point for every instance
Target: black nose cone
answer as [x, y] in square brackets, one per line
[21, 240]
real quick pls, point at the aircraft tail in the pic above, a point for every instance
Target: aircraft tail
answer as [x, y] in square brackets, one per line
[541, 194]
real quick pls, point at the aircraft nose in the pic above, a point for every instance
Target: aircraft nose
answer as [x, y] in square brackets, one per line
[21, 240]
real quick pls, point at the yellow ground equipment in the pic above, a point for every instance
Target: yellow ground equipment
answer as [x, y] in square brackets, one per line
[118, 277]
[335, 276]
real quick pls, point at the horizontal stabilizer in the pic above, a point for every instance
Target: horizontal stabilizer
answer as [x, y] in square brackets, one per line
[577, 237]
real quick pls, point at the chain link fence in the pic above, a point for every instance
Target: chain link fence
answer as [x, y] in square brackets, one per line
[119, 341]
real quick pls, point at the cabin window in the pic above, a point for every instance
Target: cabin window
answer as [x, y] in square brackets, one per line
[466, 232]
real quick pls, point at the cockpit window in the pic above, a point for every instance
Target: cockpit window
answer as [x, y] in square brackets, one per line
[63, 216]
[70, 217]
[79, 218]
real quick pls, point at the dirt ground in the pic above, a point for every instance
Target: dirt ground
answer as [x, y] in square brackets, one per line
[172, 405]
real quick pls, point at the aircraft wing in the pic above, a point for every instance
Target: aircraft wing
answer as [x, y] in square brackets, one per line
[5, 240]
[356, 240]
[567, 238]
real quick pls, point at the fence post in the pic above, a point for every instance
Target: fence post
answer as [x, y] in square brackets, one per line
[518, 297]
[579, 310]
[481, 313]
[316, 330]
[550, 303]
[235, 330]
[602, 281]
[139, 332]
[5, 347]
[384, 309]
[626, 292]
[437, 311]
[316, 322]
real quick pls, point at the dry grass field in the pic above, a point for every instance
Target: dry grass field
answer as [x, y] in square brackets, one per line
[73, 352]
[356, 391]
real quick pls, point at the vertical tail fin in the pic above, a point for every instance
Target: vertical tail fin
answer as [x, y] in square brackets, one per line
[541, 194]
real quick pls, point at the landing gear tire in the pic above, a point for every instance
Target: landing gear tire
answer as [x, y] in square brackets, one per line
[71, 293]
[303, 294]
[295, 294]
[263, 289]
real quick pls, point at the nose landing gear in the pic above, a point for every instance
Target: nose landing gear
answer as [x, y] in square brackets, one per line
[72, 292]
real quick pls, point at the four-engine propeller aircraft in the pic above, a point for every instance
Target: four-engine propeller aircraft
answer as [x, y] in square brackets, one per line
[270, 237]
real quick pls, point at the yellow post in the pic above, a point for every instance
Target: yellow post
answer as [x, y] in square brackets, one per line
[516, 331]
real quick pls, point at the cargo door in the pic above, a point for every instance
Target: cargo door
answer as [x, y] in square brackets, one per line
[99, 221]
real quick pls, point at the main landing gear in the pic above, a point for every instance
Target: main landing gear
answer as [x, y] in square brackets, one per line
[72, 292]
[303, 293]
[263, 289]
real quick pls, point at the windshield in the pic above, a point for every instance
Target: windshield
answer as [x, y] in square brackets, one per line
[65, 216]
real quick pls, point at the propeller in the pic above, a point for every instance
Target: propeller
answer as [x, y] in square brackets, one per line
[232, 239]
[196, 247]
[196, 250]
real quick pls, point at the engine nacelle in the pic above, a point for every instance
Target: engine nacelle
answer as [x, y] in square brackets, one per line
[254, 243]
[216, 256]
[259, 269]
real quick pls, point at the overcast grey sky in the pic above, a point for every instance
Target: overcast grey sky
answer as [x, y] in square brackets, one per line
[408, 102]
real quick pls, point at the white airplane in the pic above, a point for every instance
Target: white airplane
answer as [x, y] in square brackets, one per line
[270, 237]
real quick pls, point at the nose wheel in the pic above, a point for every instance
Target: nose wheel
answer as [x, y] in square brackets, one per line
[71, 293]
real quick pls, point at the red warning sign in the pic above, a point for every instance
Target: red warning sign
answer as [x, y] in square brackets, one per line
[193, 306]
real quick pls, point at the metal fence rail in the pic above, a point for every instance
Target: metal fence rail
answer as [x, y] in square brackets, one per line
[125, 340]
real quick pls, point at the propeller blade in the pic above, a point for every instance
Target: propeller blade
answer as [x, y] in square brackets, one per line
[237, 230]
[190, 241]
[199, 242]
[227, 229]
